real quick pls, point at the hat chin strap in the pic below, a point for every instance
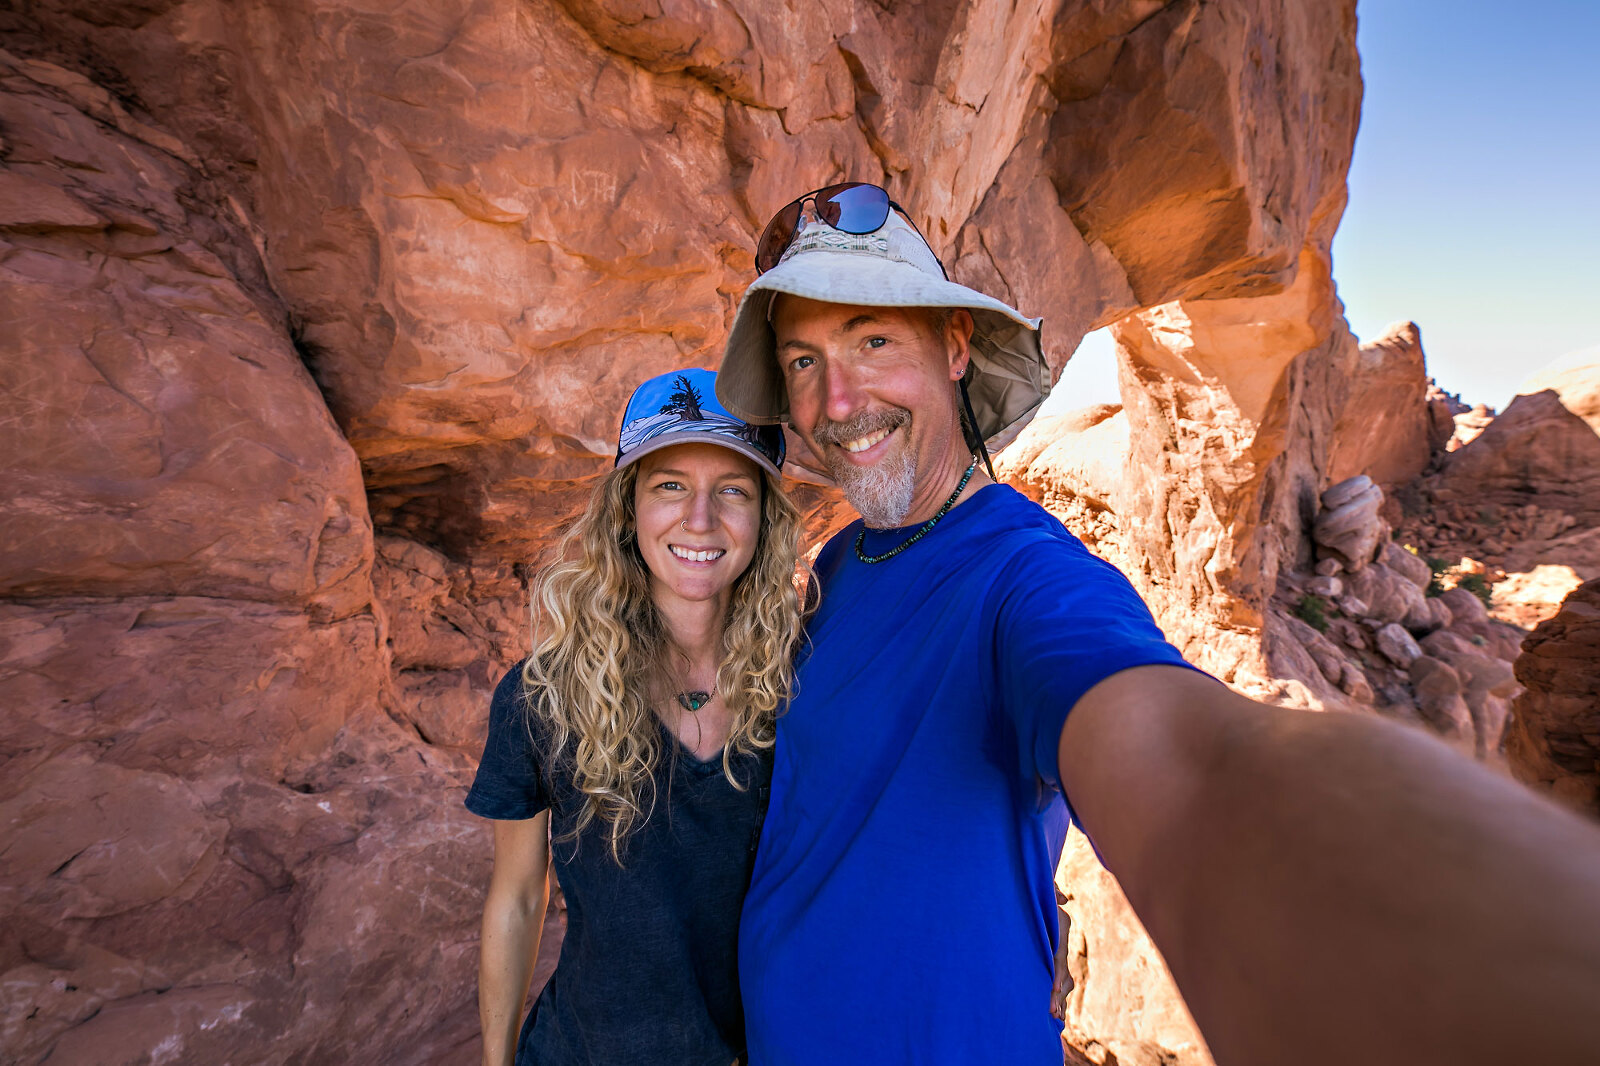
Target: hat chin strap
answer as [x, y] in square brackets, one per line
[969, 430]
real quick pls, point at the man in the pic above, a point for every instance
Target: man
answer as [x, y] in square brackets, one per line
[1325, 888]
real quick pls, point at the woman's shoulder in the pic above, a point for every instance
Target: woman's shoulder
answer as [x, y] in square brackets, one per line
[513, 706]
[510, 695]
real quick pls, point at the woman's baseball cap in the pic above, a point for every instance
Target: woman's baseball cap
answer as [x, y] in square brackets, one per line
[681, 407]
[891, 267]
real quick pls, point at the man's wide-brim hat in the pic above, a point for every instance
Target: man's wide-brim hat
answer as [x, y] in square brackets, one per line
[1007, 379]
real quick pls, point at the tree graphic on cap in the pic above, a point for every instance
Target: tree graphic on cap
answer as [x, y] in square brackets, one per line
[684, 399]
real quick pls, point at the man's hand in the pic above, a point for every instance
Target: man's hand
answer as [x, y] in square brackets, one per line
[1064, 983]
[1334, 888]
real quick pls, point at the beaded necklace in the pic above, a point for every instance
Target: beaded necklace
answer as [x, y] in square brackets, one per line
[921, 531]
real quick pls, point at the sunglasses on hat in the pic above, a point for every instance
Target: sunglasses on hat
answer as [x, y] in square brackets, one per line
[850, 207]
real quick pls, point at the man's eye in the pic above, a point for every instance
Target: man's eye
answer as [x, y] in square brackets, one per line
[877, 342]
[800, 362]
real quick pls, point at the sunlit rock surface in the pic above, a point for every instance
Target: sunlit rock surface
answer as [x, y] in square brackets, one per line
[1554, 738]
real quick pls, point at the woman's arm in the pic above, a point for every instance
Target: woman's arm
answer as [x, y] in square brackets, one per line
[513, 915]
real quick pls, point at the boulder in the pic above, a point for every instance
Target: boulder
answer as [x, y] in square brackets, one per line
[1407, 564]
[1329, 588]
[1385, 424]
[1536, 452]
[1553, 738]
[1388, 596]
[1575, 379]
[1464, 606]
[1396, 645]
[1354, 683]
[1349, 527]
[1442, 410]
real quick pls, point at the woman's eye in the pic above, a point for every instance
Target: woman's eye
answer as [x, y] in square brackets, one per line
[877, 342]
[736, 490]
[670, 486]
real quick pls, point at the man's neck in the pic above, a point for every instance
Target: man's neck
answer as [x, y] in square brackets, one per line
[934, 491]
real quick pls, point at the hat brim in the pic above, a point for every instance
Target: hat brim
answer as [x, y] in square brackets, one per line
[1007, 380]
[672, 440]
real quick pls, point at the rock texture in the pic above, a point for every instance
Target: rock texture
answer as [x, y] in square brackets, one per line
[1575, 379]
[1388, 429]
[1348, 529]
[1516, 504]
[1554, 740]
[1536, 452]
[316, 320]
[1122, 1010]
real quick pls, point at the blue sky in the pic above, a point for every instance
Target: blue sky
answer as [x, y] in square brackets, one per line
[1474, 192]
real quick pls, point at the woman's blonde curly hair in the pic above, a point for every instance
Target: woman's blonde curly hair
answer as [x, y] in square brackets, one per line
[601, 653]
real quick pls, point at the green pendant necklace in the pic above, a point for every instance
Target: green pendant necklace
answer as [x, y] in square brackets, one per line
[693, 701]
[922, 531]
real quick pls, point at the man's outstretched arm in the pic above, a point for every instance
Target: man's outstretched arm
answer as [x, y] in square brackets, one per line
[1331, 888]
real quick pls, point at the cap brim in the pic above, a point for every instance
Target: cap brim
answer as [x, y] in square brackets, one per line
[1008, 378]
[671, 440]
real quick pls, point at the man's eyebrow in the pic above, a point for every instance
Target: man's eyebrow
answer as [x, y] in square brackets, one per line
[866, 318]
[794, 344]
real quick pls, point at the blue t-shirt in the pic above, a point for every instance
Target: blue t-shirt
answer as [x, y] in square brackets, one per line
[902, 907]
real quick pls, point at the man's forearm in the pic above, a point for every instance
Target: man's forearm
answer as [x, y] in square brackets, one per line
[1330, 888]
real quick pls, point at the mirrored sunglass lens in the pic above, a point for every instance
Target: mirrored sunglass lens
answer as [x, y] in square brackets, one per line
[857, 209]
[779, 232]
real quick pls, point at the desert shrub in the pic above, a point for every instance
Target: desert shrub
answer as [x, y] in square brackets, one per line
[1475, 584]
[1313, 611]
[1436, 567]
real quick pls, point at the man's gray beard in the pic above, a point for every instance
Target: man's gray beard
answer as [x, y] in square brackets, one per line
[882, 493]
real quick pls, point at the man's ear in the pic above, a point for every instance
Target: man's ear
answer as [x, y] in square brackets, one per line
[958, 340]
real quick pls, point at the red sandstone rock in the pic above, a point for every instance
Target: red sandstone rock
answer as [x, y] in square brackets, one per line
[1535, 452]
[1349, 527]
[477, 226]
[186, 451]
[1575, 378]
[1386, 427]
[1551, 740]
[1124, 1007]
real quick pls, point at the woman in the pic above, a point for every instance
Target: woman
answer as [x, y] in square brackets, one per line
[637, 739]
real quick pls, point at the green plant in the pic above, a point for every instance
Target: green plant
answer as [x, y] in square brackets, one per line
[1435, 568]
[1475, 584]
[1313, 611]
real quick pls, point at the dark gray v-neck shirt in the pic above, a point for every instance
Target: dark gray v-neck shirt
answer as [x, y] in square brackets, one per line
[649, 968]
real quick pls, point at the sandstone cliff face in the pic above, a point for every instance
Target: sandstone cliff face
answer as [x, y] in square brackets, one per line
[1387, 428]
[1575, 379]
[1555, 723]
[317, 315]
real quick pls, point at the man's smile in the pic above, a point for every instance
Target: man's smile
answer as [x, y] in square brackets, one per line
[861, 444]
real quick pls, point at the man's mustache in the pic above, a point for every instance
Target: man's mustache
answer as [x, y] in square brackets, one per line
[859, 425]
